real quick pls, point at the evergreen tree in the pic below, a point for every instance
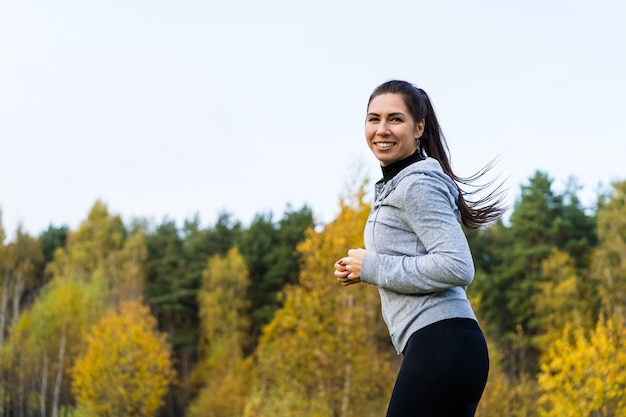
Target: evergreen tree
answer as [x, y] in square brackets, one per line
[52, 239]
[509, 280]
[176, 260]
[270, 253]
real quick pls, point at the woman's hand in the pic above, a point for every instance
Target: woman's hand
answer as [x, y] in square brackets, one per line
[348, 269]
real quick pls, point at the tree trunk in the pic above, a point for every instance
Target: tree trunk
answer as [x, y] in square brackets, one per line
[3, 311]
[4, 300]
[347, 374]
[44, 385]
[18, 289]
[59, 379]
[21, 396]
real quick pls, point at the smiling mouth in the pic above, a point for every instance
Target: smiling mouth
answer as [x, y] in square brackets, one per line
[384, 145]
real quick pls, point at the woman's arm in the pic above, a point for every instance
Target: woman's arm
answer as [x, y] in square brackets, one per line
[447, 263]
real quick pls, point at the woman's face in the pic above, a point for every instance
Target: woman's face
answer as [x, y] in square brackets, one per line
[390, 130]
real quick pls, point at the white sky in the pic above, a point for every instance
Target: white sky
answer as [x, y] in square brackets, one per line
[172, 108]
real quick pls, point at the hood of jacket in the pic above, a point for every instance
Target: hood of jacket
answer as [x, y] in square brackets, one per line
[428, 166]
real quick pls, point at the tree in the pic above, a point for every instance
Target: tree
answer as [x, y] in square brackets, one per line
[585, 375]
[326, 351]
[22, 272]
[223, 372]
[126, 368]
[52, 239]
[176, 260]
[45, 341]
[21, 266]
[125, 270]
[505, 395]
[510, 280]
[609, 259]
[163, 286]
[98, 265]
[559, 301]
[89, 247]
[270, 252]
[257, 245]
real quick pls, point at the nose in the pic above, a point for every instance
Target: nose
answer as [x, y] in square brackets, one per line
[382, 129]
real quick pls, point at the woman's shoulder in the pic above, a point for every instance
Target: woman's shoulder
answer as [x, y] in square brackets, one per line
[426, 176]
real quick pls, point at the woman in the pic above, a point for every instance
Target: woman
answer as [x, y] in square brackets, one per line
[418, 257]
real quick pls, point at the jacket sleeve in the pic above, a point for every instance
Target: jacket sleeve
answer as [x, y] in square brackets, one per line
[430, 212]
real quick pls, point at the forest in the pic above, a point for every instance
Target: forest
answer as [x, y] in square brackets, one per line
[234, 320]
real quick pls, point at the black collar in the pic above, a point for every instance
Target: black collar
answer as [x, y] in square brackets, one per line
[391, 170]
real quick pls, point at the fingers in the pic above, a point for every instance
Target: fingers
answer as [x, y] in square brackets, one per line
[356, 253]
[341, 272]
[350, 281]
[348, 269]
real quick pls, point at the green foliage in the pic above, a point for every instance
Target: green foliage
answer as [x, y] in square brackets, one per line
[542, 281]
[164, 289]
[269, 250]
[52, 239]
[175, 263]
[176, 260]
[511, 277]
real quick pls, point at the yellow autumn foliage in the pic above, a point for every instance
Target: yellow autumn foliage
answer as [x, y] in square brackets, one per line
[126, 368]
[586, 375]
[559, 300]
[327, 351]
[609, 258]
[222, 372]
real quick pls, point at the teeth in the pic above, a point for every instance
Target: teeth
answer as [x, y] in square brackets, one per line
[384, 144]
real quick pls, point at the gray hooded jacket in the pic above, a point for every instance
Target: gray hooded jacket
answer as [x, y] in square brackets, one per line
[416, 252]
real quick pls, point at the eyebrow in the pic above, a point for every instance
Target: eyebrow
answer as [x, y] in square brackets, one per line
[390, 114]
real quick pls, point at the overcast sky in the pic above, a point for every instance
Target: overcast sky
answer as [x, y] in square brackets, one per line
[171, 108]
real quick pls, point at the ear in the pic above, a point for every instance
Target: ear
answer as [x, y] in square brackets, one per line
[419, 128]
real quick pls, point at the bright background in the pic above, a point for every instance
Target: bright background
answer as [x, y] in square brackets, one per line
[172, 108]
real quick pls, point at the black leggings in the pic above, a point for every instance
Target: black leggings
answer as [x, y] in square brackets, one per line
[443, 372]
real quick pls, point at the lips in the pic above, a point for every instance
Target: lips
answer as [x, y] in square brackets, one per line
[384, 145]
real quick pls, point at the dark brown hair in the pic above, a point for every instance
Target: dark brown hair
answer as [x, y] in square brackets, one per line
[474, 214]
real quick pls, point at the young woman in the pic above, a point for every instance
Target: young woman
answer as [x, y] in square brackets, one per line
[418, 257]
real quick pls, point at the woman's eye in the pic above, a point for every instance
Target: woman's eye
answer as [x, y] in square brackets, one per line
[372, 119]
[396, 119]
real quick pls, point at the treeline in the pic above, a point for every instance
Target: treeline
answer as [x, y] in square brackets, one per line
[230, 320]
